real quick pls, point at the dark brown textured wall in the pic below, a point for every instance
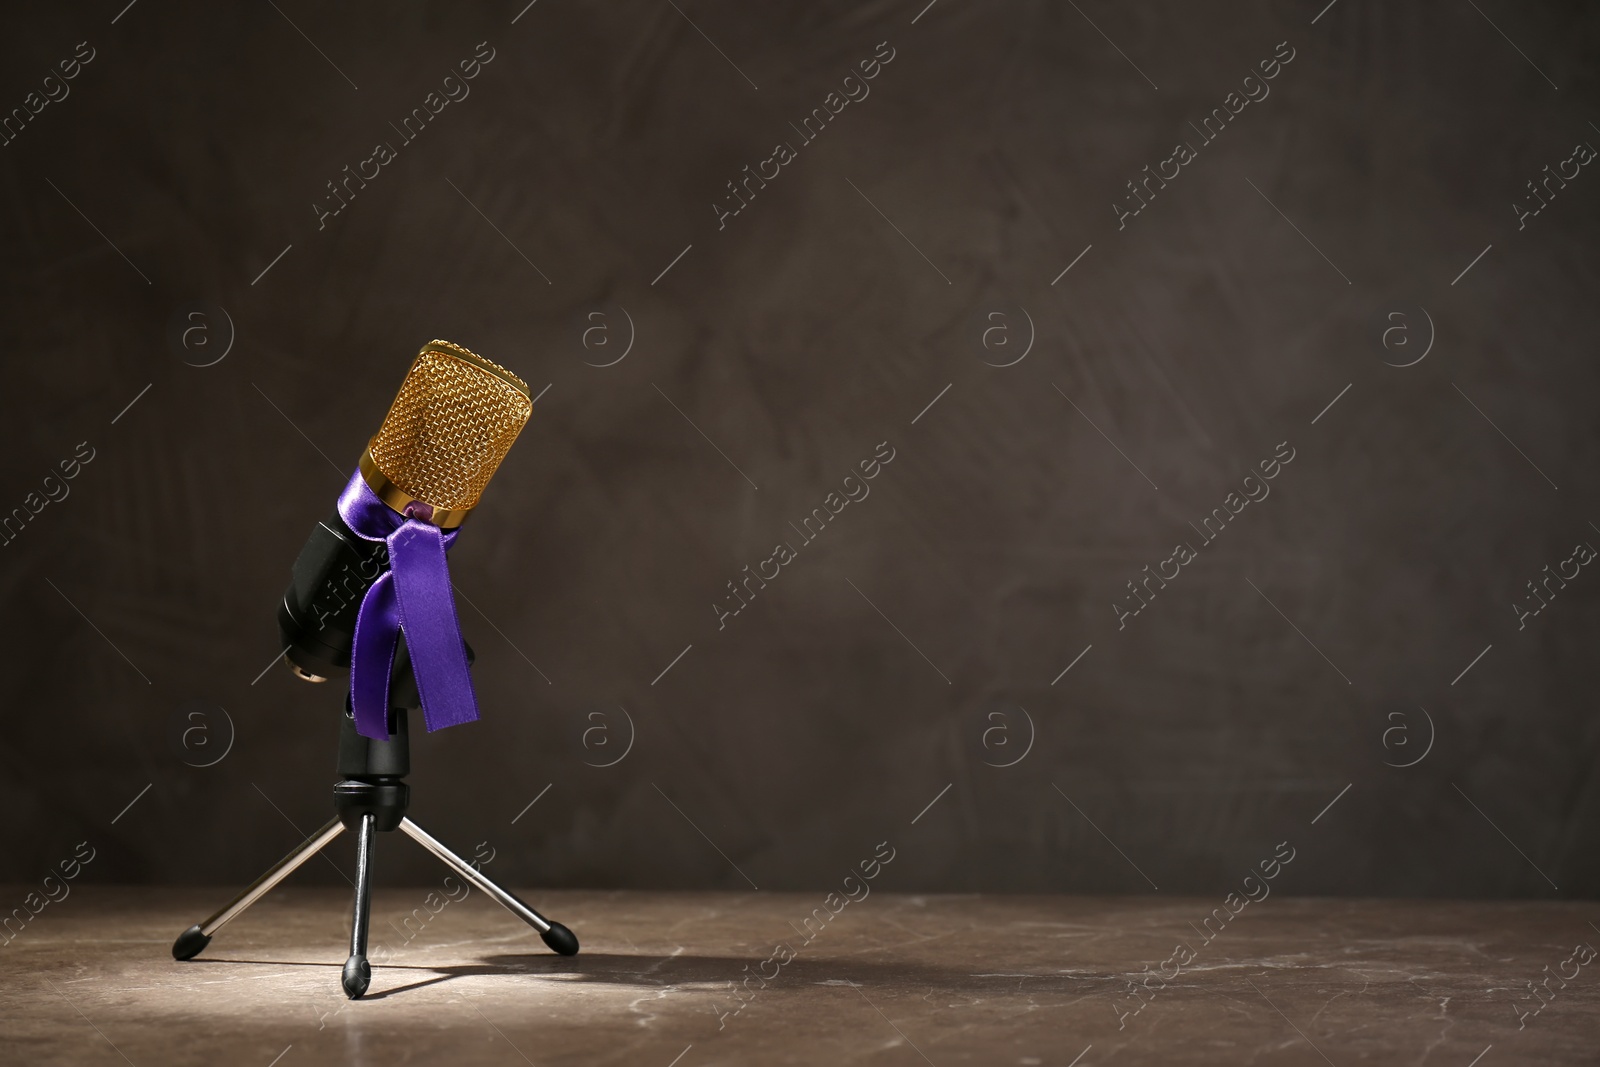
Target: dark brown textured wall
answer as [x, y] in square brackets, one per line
[1083, 423]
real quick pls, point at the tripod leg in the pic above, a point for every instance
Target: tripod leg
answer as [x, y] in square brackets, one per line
[196, 938]
[357, 971]
[555, 935]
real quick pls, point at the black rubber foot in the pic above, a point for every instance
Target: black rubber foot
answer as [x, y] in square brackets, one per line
[561, 939]
[190, 943]
[357, 976]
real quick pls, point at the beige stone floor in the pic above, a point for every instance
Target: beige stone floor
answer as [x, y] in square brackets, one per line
[893, 979]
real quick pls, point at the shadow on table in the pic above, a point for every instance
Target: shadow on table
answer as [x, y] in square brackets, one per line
[638, 970]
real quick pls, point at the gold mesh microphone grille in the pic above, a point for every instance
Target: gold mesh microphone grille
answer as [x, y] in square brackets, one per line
[453, 421]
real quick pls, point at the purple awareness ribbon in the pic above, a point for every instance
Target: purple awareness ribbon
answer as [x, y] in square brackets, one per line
[414, 597]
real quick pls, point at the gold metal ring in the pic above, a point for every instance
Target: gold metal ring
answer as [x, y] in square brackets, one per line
[402, 502]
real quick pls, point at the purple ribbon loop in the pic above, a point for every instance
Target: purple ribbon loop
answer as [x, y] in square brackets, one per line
[412, 597]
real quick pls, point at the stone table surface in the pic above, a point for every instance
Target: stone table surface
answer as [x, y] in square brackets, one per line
[890, 979]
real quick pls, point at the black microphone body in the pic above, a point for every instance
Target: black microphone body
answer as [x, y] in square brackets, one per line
[317, 616]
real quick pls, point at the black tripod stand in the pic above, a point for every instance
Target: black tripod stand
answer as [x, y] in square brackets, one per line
[372, 796]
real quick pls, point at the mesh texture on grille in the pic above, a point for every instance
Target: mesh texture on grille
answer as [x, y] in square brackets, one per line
[449, 427]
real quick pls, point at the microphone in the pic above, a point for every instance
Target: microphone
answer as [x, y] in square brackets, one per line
[370, 591]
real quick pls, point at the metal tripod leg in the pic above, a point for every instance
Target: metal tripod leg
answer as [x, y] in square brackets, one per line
[555, 935]
[196, 938]
[357, 971]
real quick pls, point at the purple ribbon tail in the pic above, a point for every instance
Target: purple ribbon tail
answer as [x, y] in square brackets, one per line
[372, 658]
[413, 597]
[432, 628]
